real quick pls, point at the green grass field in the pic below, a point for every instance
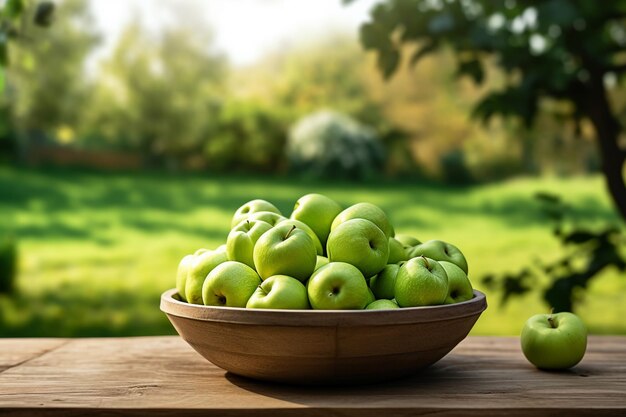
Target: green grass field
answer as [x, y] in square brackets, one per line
[98, 249]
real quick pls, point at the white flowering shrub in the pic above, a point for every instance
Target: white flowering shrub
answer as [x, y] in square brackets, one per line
[328, 144]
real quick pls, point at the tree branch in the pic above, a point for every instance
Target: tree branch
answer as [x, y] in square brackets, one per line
[617, 68]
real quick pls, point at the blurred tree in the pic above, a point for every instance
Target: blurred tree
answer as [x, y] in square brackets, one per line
[247, 135]
[46, 83]
[569, 51]
[159, 94]
[12, 18]
[326, 73]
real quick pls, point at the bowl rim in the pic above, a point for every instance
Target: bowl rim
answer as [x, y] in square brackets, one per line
[173, 307]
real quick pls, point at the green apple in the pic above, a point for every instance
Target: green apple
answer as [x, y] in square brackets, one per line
[338, 286]
[397, 252]
[382, 304]
[321, 261]
[407, 240]
[181, 275]
[371, 297]
[459, 285]
[318, 212]
[200, 251]
[421, 282]
[365, 211]
[267, 216]
[285, 250]
[440, 251]
[554, 341]
[383, 285]
[221, 248]
[361, 243]
[250, 207]
[241, 240]
[308, 230]
[230, 284]
[280, 292]
[200, 268]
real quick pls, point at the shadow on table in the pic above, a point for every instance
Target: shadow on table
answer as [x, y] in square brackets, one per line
[436, 378]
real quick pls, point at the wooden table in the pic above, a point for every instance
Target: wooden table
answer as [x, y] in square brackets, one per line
[483, 376]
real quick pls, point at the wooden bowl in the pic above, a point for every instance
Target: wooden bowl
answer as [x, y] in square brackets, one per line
[323, 346]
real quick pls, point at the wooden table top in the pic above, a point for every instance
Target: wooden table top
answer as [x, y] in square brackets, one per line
[483, 376]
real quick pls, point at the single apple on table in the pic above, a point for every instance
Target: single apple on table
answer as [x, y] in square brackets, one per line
[384, 283]
[308, 230]
[440, 251]
[554, 341]
[382, 304]
[338, 286]
[318, 212]
[365, 211]
[285, 250]
[421, 282]
[230, 284]
[241, 240]
[280, 292]
[200, 268]
[459, 286]
[361, 243]
[250, 207]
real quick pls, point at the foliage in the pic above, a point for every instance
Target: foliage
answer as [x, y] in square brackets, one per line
[158, 94]
[10, 14]
[46, 86]
[331, 145]
[564, 50]
[247, 136]
[589, 251]
[12, 21]
[454, 168]
[330, 72]
[8, 264]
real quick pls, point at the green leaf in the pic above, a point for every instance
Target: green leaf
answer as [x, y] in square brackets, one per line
[472, 68]
[4, 53]
[44, 13]
[579, 236]
[374, 36]
[388, 60]
[13, 8]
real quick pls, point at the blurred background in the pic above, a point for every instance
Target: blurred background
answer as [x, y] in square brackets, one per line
[131, 131]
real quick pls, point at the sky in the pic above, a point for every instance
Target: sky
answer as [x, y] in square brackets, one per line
[244, 29]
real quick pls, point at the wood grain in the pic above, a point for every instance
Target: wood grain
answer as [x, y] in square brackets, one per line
[482, 376]
[17, 351]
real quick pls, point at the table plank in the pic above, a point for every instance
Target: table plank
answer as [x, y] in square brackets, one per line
[483, 376]
[14, 352]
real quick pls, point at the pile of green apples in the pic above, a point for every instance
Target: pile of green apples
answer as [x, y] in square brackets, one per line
[322, 257]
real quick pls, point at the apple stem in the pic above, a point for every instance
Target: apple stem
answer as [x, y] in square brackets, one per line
[551, 319]
[426, 262]
[289, 232]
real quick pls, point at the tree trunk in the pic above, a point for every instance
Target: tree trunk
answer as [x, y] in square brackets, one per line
[608, 130]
